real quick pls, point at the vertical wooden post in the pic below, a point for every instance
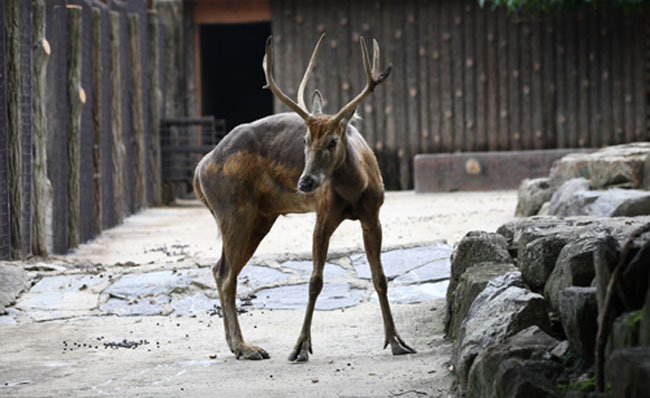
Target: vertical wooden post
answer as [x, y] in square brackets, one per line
[155, 101]
[97, 118]
[137, 111]
[14, 116]
[42, 188]
[119, 151]
[76, 99]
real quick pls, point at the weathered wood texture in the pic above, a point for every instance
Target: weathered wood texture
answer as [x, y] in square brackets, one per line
[14, 117]
[471, 79]
[117, 133]
[98, 71]
[140, 192]
[5, 237]
[57, 179]
[41, 186]
[76, 100]
[155, 103]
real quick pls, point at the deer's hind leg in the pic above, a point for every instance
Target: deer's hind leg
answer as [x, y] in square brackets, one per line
[241, 233]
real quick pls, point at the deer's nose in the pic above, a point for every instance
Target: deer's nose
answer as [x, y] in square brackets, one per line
[306, 184]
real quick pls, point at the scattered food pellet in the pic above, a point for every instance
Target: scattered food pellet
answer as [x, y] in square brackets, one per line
[213, 356]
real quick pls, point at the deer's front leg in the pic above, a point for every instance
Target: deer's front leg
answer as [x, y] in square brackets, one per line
[372, 236]
[325, 227]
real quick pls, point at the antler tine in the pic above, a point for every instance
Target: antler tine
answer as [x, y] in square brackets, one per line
[366, 60]
[305, 78]
[375, 56]
[267, 65]
[373, 78]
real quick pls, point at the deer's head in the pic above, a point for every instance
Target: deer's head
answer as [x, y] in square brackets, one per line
[325, 141]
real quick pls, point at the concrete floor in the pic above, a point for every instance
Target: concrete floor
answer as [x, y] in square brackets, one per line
[59, 340]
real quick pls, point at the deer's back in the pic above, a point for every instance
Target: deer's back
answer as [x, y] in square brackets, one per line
[258, 162]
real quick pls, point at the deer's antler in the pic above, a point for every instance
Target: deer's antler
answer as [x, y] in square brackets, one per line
[373, 78]
[267, 64]
[305, 78]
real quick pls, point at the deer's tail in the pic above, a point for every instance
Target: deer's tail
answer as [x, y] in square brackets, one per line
[198, 191]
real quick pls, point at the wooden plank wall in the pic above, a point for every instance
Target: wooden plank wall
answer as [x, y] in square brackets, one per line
[471, 79]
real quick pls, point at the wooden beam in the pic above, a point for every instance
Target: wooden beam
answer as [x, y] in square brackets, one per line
[41, 186]
[155, 104]
[14, 116]
[140, 191]
[117, 135]
[97, 117]
[76, 99]
[231, 11]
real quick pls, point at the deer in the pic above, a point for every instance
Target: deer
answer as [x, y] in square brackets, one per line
[295, 162]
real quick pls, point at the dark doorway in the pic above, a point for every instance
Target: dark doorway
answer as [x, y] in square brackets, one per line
[231, 72]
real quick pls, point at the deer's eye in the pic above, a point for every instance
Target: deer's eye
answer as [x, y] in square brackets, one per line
[332, 143]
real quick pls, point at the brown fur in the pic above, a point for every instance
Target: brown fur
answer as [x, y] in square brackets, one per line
[262, 170]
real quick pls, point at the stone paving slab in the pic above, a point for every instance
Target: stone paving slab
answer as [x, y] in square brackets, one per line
[304, 269]
[150, 283]
[410, 294]
[333, 296]
[12, 282]
[398, 262]
[415, 275]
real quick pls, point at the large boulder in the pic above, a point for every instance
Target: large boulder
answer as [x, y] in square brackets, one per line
[635, 275]
[614, 166]
[574, 266]
[575, 165]
[520, 232]
[628, 372]
[504, 308]
[537, 259]
[531, 196]
[613, 202]
[646, 172]
[625, 331]
[605, 257]
[644, 332]
[533, 336]
[514, 370]
[633, 279]
[476, 247]
[471, 283]
[12, 283]
[563, 201]
[578, 311]
[528, 229]
[619, 165]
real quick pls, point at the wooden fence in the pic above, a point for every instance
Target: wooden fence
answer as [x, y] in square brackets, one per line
[79, 109]
[467, 78]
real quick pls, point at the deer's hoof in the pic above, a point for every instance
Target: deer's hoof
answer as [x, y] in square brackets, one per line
[301, 352]
[399, 347]
[251, 352]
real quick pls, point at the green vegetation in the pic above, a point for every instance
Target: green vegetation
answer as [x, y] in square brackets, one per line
[550, 5]
[584, 386]
[634, 318]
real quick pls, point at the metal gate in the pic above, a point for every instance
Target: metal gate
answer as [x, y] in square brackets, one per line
[183, 142]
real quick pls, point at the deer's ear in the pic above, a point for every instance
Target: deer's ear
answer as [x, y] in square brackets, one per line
[316, 103]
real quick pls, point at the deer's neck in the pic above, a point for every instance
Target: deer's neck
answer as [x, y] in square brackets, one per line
[348, 179]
